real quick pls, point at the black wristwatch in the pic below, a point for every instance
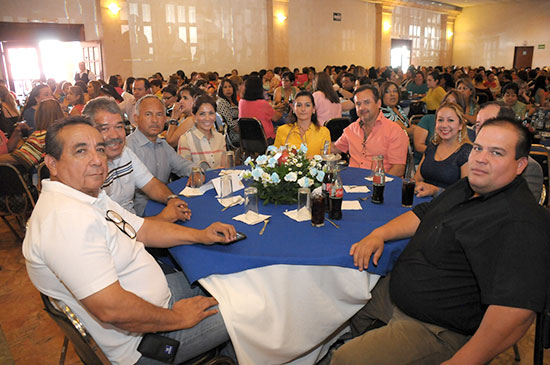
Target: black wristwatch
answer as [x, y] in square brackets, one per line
[173, 122]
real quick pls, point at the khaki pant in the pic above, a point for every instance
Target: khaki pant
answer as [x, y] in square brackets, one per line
[404, 340]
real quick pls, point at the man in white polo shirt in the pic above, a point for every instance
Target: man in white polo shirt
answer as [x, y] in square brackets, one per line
[84, 249]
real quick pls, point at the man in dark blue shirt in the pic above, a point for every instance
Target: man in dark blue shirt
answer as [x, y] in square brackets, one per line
[468, 284]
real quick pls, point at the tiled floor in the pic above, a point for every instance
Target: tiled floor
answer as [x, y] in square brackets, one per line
[33, 338]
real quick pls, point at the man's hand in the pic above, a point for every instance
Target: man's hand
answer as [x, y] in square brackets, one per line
[193, 310]
[423, 189]
[219, 232]
[362, 251]
[176, 209]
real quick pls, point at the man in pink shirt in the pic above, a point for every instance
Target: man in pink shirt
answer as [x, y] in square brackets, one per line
[372, 135]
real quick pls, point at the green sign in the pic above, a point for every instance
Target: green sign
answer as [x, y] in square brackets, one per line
[541, 46]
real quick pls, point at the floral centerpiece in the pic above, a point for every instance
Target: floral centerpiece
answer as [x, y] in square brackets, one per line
[282, 171]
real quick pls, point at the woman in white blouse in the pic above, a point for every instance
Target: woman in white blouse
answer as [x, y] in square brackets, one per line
[202, 143]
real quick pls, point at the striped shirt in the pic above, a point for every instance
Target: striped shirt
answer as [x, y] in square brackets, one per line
[32, 151]
[194, 146]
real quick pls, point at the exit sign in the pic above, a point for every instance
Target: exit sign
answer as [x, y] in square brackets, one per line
[541, 46]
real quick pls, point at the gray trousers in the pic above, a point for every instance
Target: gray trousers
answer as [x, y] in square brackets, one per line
[404, 340]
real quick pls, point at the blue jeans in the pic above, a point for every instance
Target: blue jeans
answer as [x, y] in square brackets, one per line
[206, 335]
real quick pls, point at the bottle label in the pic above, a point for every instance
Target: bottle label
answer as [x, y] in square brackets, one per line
[378, 180]
[327, 187]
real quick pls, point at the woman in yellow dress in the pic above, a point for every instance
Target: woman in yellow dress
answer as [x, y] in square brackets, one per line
[304, 127]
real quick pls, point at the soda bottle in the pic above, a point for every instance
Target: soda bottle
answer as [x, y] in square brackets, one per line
[378, 180]
[327, 182]
[336, 196]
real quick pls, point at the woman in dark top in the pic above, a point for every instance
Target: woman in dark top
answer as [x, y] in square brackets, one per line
[446, 158]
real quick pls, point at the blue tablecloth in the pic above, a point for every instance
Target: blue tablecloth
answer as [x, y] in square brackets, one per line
[286, 241]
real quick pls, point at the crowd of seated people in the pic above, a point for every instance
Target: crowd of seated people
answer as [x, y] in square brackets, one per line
[174, 121]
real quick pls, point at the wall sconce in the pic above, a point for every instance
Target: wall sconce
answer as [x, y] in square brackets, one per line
[449, 34]
[281, 18]
[386, 26]
[114, 8]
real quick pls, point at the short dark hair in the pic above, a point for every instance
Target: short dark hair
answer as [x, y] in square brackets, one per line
[288, 75]
[385, 86]
[510, 86]
[192, 90]
[171, 89]
[372, 88]
[146, 82]
[156, 83]
[226, 80]
[524, 142]
[350, 76]
[54, 147]
[203, 99]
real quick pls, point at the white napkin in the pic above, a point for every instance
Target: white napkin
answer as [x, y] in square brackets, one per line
[229, 172]
[235, 183]
[301, 216]
[351, 205]
[189, 191]
[388, 179]
[356, 189]
[232, 200]
[251, 218]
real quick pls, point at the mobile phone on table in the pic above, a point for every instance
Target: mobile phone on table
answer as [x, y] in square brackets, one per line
[240, 236]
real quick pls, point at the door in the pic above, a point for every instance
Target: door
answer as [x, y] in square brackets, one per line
[91, 55]
[401, 53]
[23, 65]
[523, 57]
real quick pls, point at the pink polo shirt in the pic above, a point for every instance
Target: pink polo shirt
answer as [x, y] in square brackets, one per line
[387, 139]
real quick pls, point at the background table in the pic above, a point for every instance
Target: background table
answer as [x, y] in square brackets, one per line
[282, 294]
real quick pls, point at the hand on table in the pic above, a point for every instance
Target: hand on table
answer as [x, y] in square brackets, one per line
[219, 232]
[195, 309]
[423, 189]
[176, 209]
[362, 251]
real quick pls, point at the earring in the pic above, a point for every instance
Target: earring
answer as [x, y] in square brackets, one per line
[459, 137]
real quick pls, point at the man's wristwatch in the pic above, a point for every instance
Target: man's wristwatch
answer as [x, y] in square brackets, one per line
[173, 122]
[172, 196]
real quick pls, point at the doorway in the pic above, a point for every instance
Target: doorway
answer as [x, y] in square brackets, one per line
[523, 57]
[401, 53]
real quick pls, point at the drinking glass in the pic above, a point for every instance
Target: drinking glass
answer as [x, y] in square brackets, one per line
[317, 210]
[196, 178]
[303, 209]
[251, 202]
[226, 186]
[229, 160]
[407, 193]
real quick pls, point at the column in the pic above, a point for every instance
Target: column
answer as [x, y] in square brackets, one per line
[277, 33]
[383, 34]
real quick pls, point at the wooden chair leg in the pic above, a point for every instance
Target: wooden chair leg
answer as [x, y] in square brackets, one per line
[64, 351]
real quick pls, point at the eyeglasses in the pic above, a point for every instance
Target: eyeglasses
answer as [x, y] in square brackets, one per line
[121, 224]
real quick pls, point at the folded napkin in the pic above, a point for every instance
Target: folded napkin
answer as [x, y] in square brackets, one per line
[236, 184]
[351, 205]
[356, 189]
[232, 200]
[388, 179]
[229, 172]
[301, 216]
[251, 218]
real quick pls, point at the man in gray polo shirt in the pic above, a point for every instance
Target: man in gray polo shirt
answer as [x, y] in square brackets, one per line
[159, 157]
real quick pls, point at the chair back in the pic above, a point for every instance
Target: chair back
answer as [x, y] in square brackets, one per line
[540, 154]
[252, 135]
[336, 127]
[85, 346]
[43, 173]
[482, 98]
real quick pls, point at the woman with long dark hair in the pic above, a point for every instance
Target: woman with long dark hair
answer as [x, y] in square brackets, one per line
[327, 103]
[253, 105]
[304, 127]
[228, 108]
[38, 93]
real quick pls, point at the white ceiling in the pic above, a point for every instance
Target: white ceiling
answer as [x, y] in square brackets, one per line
[468, 3]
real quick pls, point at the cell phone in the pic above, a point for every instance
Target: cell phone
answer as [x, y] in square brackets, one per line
[158, 347]
[240, 236]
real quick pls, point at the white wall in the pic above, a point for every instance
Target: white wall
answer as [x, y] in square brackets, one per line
[54, 11]
[486, 35]
[316, 40]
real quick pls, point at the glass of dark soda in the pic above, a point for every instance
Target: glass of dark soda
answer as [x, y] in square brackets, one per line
[407, 193]
[317, 210]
